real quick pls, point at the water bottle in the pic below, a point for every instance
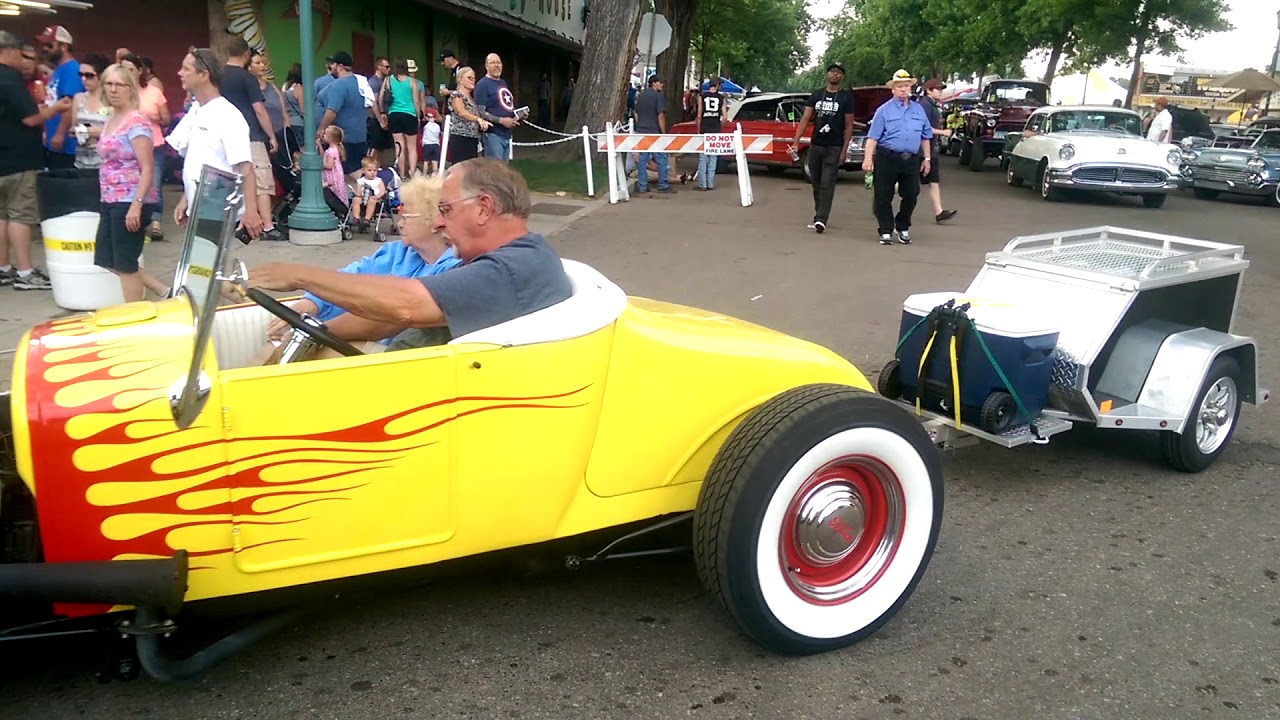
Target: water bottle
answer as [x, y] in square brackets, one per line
[791, 152]
[869, 178]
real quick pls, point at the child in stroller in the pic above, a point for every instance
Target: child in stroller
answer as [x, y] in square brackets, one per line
[376, 197]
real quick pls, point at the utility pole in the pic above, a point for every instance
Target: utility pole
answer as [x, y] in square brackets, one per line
[311, 223]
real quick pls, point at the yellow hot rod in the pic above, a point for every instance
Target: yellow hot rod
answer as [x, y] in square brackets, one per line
[155, 466]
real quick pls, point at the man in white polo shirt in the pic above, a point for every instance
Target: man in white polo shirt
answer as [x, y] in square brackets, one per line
[213, 133]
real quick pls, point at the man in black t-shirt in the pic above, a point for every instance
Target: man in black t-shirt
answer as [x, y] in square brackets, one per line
[831, 111]
[450, 62]
[711, 115]
[21, 157]
[932, 95]
[240, 87]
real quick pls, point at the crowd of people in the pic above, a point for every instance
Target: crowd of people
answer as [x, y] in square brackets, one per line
[111, 118]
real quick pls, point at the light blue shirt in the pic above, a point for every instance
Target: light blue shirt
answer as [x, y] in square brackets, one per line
[343, 97]
[393, 258]
[320, 84]
[898, 128]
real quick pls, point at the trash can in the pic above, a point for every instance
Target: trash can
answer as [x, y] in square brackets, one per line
[69, 202]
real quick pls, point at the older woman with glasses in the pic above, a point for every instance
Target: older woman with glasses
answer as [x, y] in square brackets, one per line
[420, 252]
[124, 179]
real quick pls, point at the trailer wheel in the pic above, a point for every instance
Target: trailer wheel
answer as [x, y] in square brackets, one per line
[998, 411]
[889, 384]
[1212, 421]
[818, 518]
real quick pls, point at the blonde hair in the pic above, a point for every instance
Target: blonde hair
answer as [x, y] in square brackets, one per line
[131, 82]
[369, 163]
[423, 194]
[335, 136]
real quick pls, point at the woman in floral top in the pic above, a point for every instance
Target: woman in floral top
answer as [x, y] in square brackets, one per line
[125, 182]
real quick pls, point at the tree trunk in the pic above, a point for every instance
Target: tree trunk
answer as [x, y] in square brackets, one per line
[600, 96]
[673, 64]
[1055, 56]
[1136, 76]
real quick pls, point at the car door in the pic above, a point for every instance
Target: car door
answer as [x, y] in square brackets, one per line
[1028, 151]
[760, 117]
[340, 459]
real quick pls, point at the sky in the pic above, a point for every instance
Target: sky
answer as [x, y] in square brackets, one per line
[1250, 44]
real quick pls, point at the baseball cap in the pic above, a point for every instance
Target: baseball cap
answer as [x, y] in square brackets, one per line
[935, 84]
[654, 79]
[446, 53]
[901, 76]
[836, 66]
[55, 33]
[342, 57]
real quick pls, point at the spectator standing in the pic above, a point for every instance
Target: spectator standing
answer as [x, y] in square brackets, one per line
[21, 156]
[431, 141]
[498, 106]
[321, 83]
[333, 179]
[651, 118]
[932, 94]
[380, 137]
[566, 98]
[831, 111]
[60, 142]
[125, 185]
[450, 86]
[398, 108]
[153, 104]
[899, 150]
[212, 133]
[242, 90]
[711, 114]
[544, 101]
[91, 111]
[467, 123]
[35, 85]
[1161, 129]
[344, 106]
[294, 100]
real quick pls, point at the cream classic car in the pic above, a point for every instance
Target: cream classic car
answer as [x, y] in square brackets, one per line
[1095, 149]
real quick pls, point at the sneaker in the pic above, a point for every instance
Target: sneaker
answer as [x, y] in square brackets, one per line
[812, 224]
[8, 276]
[944, 216]
[271, 235]
[37, 280]
[886, 239]
[820, 226]
[904, 237]
[667, 190]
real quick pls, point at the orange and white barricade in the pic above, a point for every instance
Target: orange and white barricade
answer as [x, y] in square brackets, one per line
[617, 146]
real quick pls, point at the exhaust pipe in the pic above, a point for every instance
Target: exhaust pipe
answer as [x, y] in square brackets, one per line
[160, 584]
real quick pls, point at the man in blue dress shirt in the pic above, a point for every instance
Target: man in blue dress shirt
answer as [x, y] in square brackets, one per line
[898, 152]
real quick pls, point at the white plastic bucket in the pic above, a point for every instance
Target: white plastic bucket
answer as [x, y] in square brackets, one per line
[78, 284]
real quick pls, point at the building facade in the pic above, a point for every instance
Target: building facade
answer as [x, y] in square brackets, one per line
[534, 37]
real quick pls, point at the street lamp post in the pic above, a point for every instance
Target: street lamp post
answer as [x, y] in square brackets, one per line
[312, 214]
[1274, 56]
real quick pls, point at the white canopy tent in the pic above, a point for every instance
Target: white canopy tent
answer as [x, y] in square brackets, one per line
[1092, 88]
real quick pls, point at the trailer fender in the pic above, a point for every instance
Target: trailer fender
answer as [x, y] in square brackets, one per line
[1182, 362]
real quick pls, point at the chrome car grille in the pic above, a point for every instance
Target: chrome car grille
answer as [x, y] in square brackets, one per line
[1217, 174]
[1136, 176]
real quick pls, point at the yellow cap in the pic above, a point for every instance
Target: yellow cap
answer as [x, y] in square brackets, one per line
[902, 76]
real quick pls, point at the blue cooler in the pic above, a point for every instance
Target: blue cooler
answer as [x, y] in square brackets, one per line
[1020, 342]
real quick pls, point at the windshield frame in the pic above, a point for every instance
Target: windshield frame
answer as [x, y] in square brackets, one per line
[990, 94]
[1130, 118]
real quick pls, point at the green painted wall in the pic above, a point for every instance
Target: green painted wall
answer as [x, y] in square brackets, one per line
[402, 31]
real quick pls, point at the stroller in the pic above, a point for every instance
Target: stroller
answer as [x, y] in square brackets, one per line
[385, 209]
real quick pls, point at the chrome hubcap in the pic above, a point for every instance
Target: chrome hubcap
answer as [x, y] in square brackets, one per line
[1217, 415]
[842, 530]
[830, 524]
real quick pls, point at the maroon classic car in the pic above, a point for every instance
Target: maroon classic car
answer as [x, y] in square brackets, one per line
[1003, 107]
[778, 114]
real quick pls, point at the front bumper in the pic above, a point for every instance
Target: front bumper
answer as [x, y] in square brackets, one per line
[1265, 187]
[1067, 178]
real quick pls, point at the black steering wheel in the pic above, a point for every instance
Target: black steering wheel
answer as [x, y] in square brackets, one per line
[317, 332]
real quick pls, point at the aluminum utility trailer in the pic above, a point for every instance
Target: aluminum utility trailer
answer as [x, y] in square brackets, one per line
[1145, 341]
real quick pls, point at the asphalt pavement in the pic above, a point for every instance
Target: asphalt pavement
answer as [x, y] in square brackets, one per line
[1076, 580]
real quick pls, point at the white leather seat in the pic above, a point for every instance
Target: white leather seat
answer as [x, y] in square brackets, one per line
[595, 303]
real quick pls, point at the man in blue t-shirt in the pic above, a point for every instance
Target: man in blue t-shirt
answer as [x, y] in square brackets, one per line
[59, 142]
[498, 106]
[344, 106]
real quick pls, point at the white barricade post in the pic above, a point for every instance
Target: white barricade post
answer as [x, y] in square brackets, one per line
[444, 142]
[612, 161]
[735, 144]
[744, 176]
[586, 154]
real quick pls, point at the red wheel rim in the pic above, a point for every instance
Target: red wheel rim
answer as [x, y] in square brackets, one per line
[841, 530]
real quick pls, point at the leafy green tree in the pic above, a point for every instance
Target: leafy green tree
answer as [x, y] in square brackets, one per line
[760, 42]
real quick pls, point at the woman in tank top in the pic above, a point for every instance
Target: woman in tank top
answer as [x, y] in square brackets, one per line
[293, 103]
[92, 111]
[466, 125]
[398, 101]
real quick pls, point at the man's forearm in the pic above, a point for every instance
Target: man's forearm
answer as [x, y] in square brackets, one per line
[397, 301]
[250, 179]
[65, 124]
[353, 328]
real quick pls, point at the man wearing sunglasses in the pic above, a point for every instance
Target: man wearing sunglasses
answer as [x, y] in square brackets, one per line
[21, 156]
[60, 143]
[507, 271]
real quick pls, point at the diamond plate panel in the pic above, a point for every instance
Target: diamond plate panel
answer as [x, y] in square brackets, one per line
[1065, 370]
[1120, 259]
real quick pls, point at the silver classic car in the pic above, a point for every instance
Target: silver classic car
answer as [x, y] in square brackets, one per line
[1250, 170]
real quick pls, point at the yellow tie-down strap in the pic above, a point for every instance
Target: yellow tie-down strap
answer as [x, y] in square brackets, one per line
[955, 375]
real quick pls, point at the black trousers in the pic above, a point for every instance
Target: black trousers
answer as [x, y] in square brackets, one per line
[824, 165]
[892, 170]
